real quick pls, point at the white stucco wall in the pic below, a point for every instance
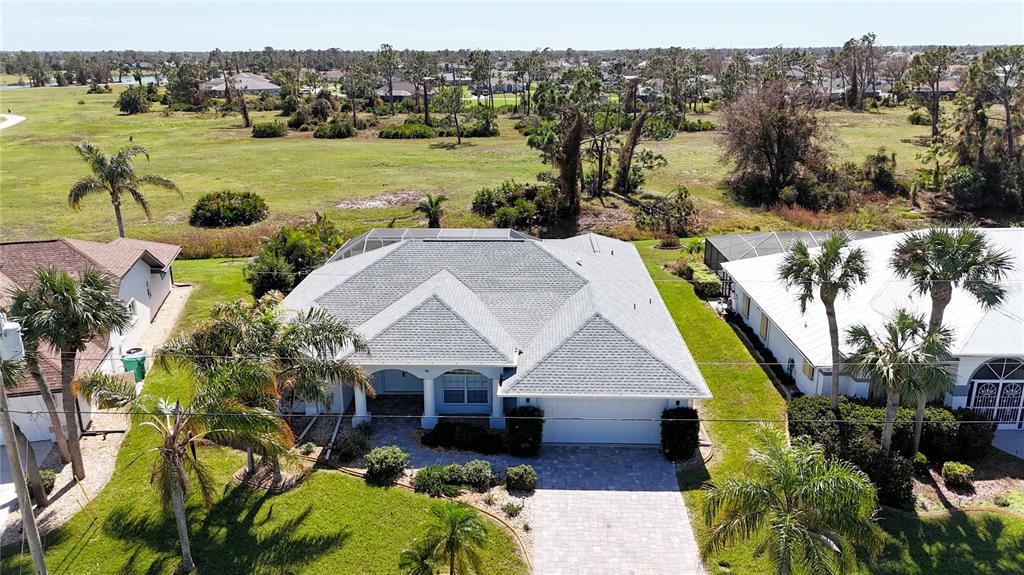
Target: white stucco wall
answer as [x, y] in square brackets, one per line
[36, 426]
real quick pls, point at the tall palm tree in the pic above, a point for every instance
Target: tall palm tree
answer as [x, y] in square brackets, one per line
[418, 560]
[836, 269]
[214, 415]
[807, 510]
[456, 536]
[12, 372]
[296, 354]
[116, 176]
[903, 361]
[937, 262]
[66, 312]
[431, 206]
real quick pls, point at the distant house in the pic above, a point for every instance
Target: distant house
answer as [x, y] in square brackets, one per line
[479, 321]
[143, 275]
[245, 82]
[332, 75]
[401, 90]
[454, 79]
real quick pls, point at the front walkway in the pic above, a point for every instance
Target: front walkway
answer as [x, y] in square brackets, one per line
[597, 509]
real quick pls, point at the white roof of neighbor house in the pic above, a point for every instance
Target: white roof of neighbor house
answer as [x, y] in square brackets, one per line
[579, 316]
[977, 332]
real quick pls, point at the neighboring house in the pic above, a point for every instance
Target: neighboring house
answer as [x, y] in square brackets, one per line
[142, 270]
[480, 321]
[332, 75]
[245, 82]
[988, 344]
[402, 90]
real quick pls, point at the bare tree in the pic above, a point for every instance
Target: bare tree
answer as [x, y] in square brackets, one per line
[387, 63]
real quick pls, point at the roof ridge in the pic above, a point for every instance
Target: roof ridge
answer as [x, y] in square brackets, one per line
[561, 344]
[645, 348]
[469, 324]
[69, 242]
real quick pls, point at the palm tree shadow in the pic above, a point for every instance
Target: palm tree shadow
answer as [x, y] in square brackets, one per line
[951, 544]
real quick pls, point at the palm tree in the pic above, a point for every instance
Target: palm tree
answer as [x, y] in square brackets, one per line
[905, 360]
[295, 354]
[213, 415]
[835, 270]
[431, 206]
[938, 261]
[116, 176]
[806, 509]
[419, 560]
[67, 312]
[12, 372]
[456, 537]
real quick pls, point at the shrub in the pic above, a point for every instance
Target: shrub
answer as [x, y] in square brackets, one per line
[464, 436]
[893, 478]
[696, 126]
[680, 433]
[879, 170]
[385, 464]
[669, 241]
[965, 185]
[352, 445]
[334, 130]
[290, 254]
[919, 118]
[516, 205]
[673, 213]
[436, 480]
[95, 88]
[520, 478]
[679, 267]
[973, 439]
[920, 463]
[49, 478]
[273, 129]
[228, 209]
[478, 474]
[512, 510]
[706, 283]
[958, 475]
[810, 416]
[307, 448]
[407, 132]
[524, 430]
[134, 100]
[939, 433]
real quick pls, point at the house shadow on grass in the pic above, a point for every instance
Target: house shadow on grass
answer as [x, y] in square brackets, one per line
[239, 534]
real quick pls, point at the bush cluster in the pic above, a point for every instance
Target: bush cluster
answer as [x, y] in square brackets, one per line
[290, 254]
[696, 126]
[228, 209]
[515, 205]
[680, 433]
[134, 100]
[674, 213]
[407, 132]
[465, 437]
[706, 283]
[352, 445]
[437, 480]
[334, 130]
[958, 475]
[385, 464]
[919, 117]
[273, 129]
[49, 478]
[524, 430]
[520, 478]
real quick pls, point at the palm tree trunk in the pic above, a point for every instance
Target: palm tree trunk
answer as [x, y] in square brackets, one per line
[941, 295]
[180, 521]
[837, 357]
[250, 461]
[67, 375]
[120, 221]
[51, 409]
[35, 480]
[275, 465]
[892, 404]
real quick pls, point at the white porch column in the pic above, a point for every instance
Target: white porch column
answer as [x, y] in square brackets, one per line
[429, 419]
[362, 415]
[497, 406]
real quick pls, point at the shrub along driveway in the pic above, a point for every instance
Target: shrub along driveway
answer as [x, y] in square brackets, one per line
[596, 510]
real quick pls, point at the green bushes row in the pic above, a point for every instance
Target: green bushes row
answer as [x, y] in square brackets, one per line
[273, 129]
[385, 464]
[680, 433]
[515, 205]
[696, 126]
[437, 480]
[524, 430]
[706, 283]
[334, 130]
[228, 209]
[407, 132]
[465, 437]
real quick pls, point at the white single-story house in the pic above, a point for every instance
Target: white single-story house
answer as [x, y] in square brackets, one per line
[142, 270]
[481, 321]
[245, 82]
[988, 344]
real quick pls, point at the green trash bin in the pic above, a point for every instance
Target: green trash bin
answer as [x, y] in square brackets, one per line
[134, 360]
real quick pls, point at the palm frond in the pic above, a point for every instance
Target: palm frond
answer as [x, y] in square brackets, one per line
[85, 186]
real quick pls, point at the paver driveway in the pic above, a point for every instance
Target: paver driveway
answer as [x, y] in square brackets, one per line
[597, 509]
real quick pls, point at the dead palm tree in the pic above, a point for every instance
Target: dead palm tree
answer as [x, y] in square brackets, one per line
[66, 312]
[116, 176]
[937, 262]
[432, 207]
[835, 269]
[904, 360]
[214, 415]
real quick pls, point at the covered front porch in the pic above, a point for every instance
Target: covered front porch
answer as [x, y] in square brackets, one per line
[430, 392]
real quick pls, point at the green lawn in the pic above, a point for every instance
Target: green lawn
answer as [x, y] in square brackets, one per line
[961, 543]
[332, 523]
[298, 174]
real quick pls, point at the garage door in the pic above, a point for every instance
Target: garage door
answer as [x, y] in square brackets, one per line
[593, 420]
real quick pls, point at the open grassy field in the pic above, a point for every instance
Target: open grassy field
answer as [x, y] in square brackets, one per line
[984, 543]
[331, 523]
[298, 174]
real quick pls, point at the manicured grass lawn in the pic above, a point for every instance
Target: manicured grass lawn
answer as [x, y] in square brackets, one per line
[961, 543]
[298, 174]
[330, 524]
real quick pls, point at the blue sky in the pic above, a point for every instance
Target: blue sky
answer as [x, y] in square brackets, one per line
[201, 26]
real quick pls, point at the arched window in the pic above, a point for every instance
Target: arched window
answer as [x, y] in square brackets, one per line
[997, 390]
[464, 386]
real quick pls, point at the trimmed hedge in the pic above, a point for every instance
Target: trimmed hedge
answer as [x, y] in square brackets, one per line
[525, 435]
[680, 433]
[273, 129]
[973, 440]
[958, 475]
[464, 436]
[228, 209]
[520, 478]
[437, 480]
[385, 464]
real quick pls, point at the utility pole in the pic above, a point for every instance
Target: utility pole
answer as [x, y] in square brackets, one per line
[28, 518]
